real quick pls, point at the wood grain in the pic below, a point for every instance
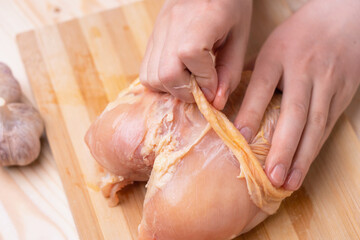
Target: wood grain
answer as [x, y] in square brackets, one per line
[33, 204]
[68, 94]
[76, 67]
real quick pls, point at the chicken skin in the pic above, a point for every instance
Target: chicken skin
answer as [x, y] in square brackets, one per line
[194, 189]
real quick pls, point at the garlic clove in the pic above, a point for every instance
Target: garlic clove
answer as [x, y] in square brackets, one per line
[20, 129]
[21, 125]
[10, 90]
[29, 115]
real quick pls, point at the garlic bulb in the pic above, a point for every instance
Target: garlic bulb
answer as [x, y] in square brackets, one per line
[20, 124]
[9, 88]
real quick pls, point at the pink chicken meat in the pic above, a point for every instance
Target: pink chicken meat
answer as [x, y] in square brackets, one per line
[194, 189]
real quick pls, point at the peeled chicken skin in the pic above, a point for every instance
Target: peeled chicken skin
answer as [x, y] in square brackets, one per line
[194, 181]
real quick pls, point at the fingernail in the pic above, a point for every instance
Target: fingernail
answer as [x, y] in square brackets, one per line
[294, 180]
[247, 133]
[208, 94]
[278, 174]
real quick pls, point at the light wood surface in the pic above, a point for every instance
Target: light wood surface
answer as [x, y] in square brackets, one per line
[33, 204]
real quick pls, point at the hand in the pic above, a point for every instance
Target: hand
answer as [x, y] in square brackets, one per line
[313, 57]
[185, 34]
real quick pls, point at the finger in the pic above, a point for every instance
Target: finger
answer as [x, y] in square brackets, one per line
[289, 128]
[195, 47]
[336, 109]
[311, 139]
[144, 63]
[172, 72]
[200, 63]
[159, 38]
[229, 64]
[260, 90]
[339, 102]
[175, 78]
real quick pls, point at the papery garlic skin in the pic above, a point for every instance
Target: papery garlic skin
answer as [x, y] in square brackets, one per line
[10, 89]
[20, 129]
[21, 125]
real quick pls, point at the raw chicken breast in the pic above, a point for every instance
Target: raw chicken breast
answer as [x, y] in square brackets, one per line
[195, 191]
[204, 199]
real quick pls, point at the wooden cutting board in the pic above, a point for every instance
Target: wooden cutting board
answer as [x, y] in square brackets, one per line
[77, 67]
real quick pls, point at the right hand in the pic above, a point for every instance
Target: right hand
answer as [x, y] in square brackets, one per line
[185, 34]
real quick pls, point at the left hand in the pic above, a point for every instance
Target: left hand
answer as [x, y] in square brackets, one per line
[314, 58]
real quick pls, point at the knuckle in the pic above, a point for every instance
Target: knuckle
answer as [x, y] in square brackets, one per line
[318, 119]
[152, 80]
[267, 83]
[188, 50]
[329, 86]
[300, 110]
[166, 75]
